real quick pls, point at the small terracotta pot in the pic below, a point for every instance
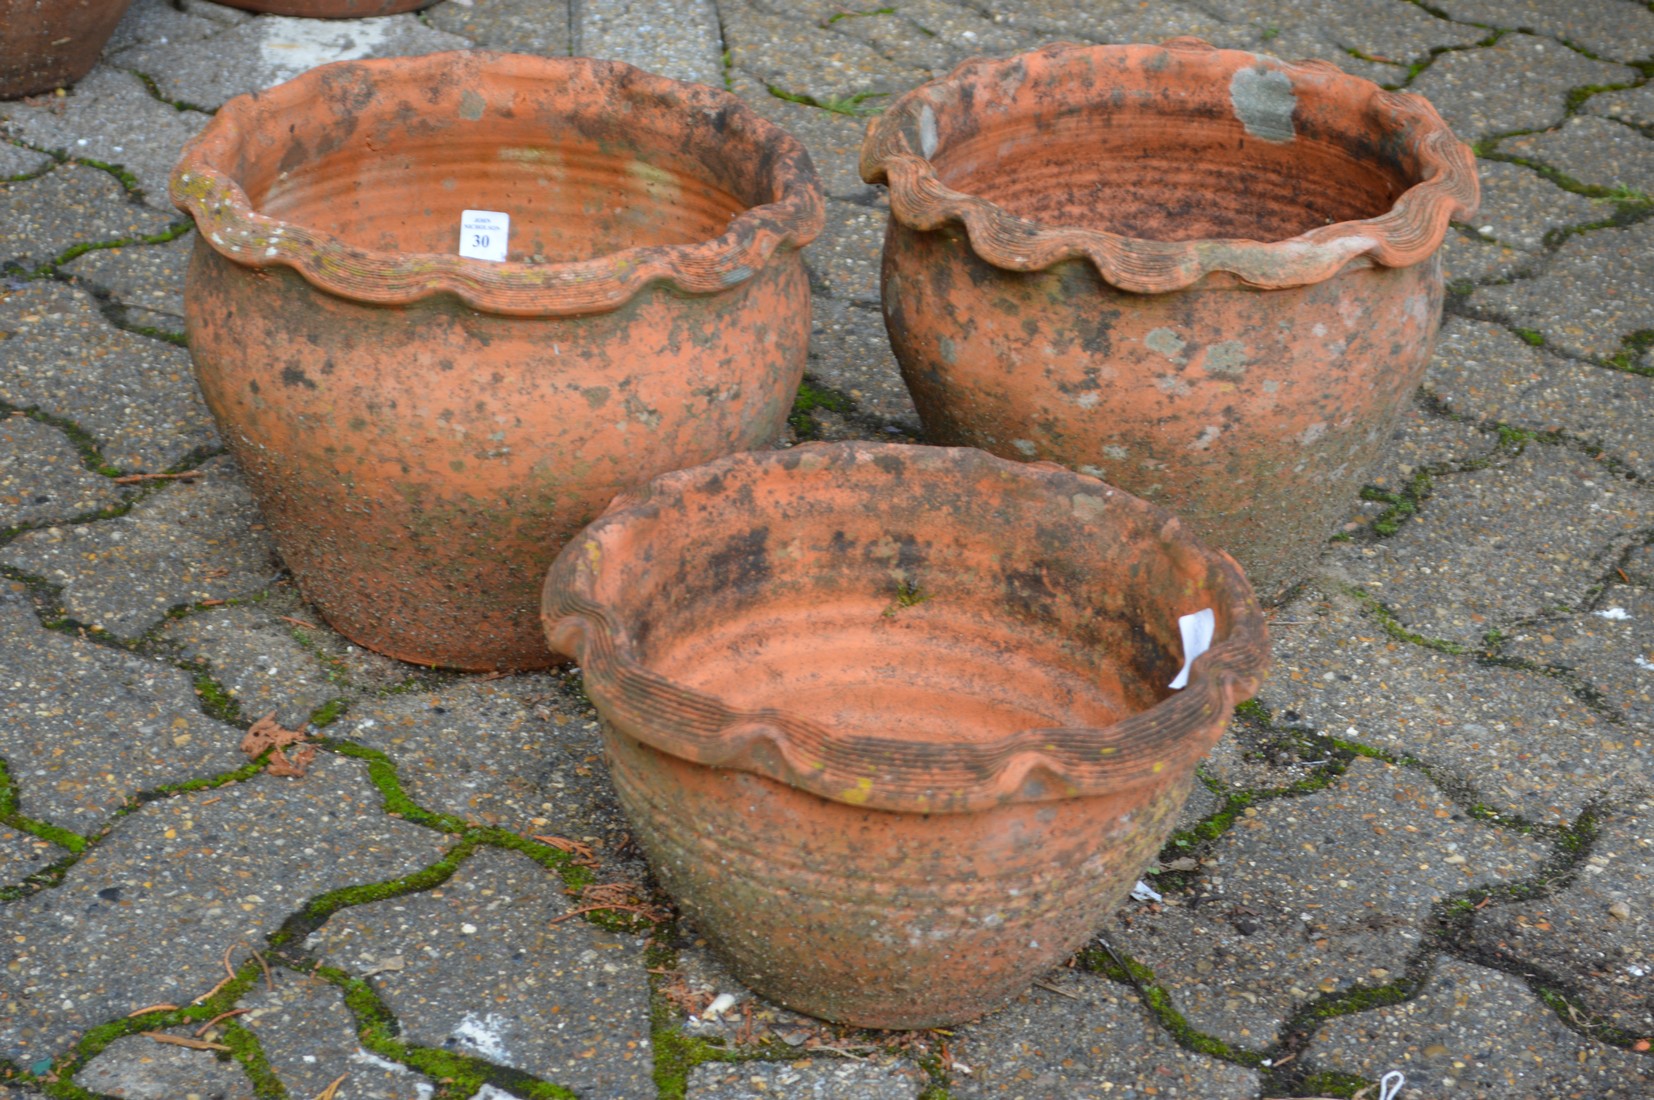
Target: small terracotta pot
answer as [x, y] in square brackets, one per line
[330, 9]
[424, 429]
[1207, 276]
[892, 723]
[47, 44]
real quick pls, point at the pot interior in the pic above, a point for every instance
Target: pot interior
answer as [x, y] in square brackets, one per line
[1257, 160]
[913, 599]
[568, 199]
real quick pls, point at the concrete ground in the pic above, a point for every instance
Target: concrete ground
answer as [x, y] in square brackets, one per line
[1428, 847]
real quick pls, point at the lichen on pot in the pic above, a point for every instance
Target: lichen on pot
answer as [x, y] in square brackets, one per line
[893, 724]
[1208, 276]
[422, 428]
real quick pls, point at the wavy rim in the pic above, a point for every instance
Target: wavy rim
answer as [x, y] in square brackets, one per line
[228, 223]
[1034, 765]
[1409, 232]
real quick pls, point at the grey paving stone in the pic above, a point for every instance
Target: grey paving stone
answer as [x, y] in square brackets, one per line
[1423, 441]
[1515, 740]
[159, 23]
[1592, 150]
[259, 53]
[930, 37]
[833, 139]
[193, 540]
[83, 727]
[137, 1067]
[1496, 545]
[42, 479]
[751, 1022]
[1520, 206]
[22, 854]
[1615, 29]
[514, 753]
[807, 1079]
[844, 260]
[309, 1038]
[1320, 894]
[109, 116]
[1476, 1032]
[486, 972]
[74, 204]
[16, 161]
[149, 277]
[1639, 566]
[1485, 371]
[1598, 289]
[1392, 30]
[675, 38]
[780, 45]
[1597, 933]
[515, 26]
[1306, 40]
[1521, 82]
[850, 352]
[1097, 1043]
[277, 655]
[218, 13]
[148, 913]
[1117, 21]
[1633, 105]
[1611, 647]
[1467, 256]
[135, 396]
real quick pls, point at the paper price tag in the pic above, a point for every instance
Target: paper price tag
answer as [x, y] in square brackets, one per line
[1197, 631]
[484, 234]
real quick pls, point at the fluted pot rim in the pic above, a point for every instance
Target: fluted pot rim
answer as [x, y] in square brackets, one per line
[1033, 765]
[1409, 232]
[203, 187]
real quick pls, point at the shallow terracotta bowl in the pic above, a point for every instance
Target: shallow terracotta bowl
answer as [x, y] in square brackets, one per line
[892, 723]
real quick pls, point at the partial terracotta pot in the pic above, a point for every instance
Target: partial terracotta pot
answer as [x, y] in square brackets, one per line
[424, 429]
[893, 723]
[1208, 276]
[47, 44]
[330, 9]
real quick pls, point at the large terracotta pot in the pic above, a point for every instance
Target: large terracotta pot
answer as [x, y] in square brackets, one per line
[46, 44]
[424, 429]
[893, 723]
[1207, 276]
[330, 9]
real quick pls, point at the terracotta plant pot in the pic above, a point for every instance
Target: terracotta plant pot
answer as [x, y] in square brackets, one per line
[423, 429]
[1207, 276]
[892, 723]
[47, 44]
[330, 9]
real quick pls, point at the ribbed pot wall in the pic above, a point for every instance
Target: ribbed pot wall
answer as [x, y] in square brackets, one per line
[893, 724]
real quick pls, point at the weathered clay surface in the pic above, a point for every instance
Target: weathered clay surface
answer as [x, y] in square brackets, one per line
[424, 429]
[1232, 334]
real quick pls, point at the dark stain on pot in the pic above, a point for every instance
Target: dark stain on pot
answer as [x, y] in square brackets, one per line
[743, 565]
[293, 376]
[890, 464]
[1028, 592]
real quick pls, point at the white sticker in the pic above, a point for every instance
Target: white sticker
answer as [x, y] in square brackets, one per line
[484, 234]
[1197, 639]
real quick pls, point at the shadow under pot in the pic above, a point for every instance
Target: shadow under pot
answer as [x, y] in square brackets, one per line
[894, 724]
[330, 9]
[1207, 276]
[444, 308]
